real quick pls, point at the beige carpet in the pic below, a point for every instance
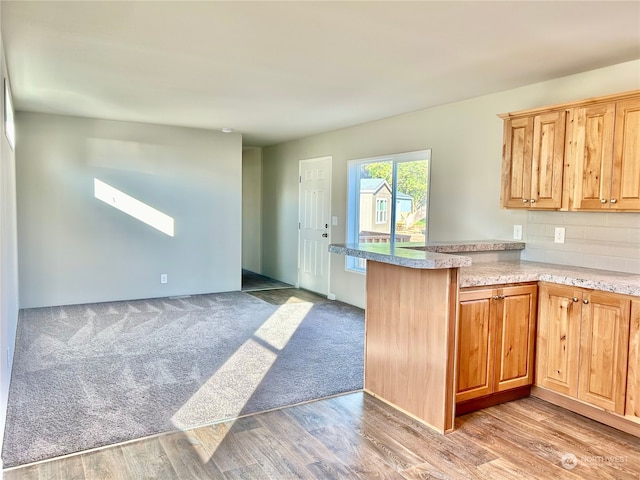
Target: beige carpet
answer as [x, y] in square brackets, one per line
[91, 375]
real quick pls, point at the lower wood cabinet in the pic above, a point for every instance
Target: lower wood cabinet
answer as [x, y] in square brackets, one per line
[632, 408]
[583, 345]
[496, 333]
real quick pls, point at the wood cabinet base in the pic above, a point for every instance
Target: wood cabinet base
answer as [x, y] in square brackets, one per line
[626, 424]
[491, 400]
[410, 340]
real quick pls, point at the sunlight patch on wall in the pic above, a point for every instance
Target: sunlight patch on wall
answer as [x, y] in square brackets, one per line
[133, 207]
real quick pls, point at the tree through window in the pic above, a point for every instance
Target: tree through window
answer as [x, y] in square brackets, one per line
[388, 200]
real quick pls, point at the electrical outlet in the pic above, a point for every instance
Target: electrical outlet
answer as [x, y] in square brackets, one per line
[559, 235]
[163, 278]
[517, 232]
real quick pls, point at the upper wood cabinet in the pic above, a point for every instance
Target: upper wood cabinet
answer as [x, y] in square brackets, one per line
[625, 177]
[605, 156]
[575, 156]
[533, 161]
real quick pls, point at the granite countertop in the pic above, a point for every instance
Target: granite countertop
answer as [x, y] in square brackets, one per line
[433, 255]
[500, 273]
[404, 257]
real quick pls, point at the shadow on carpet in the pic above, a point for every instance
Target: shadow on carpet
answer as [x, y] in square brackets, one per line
[85, 376]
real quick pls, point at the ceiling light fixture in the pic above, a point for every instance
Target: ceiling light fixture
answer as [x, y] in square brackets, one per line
[227, 130]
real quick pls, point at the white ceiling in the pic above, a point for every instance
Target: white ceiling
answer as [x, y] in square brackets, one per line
[276, 71]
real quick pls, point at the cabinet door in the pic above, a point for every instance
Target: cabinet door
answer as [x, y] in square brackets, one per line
[515, 335]
[548, 160]
[625, 177]
[592, 154]
[604, 347]
[633, 376]
[475, 341]
[558, 341]
[516, 163]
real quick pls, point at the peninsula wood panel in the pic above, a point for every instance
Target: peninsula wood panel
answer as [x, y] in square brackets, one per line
[633, 369]
[625, 176]
[476, 328]
[548, 160]
[410, 335]
[516, 162]
[558, 340]
[515, 337]
[604, 340]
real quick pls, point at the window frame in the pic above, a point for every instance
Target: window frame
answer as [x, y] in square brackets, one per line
[354, 264]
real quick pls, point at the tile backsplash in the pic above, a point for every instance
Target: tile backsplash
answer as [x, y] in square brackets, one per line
[609, 241]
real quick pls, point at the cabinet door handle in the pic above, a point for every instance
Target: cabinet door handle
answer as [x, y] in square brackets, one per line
[603, 200]
[524, 200]
[585, 301]
[575, 299]
[614, 200]
[533, 200]
[501, 297]
[495, 297]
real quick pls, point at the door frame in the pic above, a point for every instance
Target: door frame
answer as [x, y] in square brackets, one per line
[330, 177]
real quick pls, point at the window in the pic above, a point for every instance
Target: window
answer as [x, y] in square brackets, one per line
[381, 210]
[388, 200]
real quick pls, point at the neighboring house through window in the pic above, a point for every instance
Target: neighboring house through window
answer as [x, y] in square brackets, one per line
[388, 200]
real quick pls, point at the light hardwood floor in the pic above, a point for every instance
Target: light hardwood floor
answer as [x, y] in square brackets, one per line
[357, 436]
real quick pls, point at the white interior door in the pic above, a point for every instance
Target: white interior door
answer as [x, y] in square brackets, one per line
[314, 218]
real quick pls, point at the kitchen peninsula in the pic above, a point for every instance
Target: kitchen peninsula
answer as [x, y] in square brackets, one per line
[445, 336]
[411, 310]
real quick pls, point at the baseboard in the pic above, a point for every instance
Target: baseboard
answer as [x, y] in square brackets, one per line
[491, 400]
[407, 413]
[629, 425]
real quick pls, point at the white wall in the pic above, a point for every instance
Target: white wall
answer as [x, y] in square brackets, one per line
[466, 143]
[252, 209]
[8, 259]
[74, 248]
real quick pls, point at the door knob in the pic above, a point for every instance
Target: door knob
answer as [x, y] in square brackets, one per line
[533, 200]
[325, 235]
[614, 200]
[524, 200]
[575, 299]
[603, 200]
[585, 301]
